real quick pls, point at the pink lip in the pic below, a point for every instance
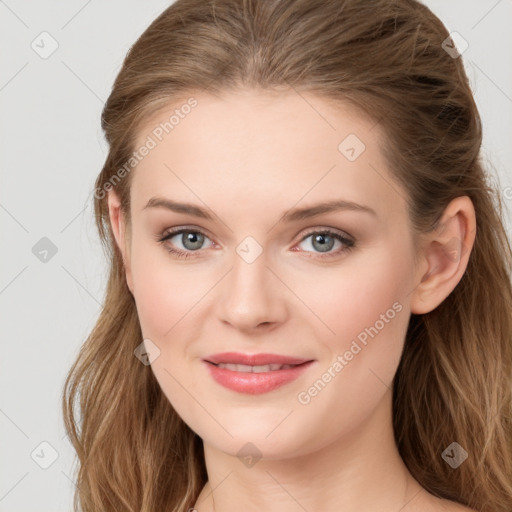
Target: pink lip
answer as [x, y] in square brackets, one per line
[254, 383]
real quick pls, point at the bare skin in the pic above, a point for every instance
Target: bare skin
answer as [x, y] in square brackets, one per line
[247, 158]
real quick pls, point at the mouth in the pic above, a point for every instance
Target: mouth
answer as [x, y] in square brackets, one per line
[255, 373]
[255, 369]
[254, 360]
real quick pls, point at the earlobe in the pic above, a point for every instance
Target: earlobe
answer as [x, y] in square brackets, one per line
[445, 256]
[118, 224]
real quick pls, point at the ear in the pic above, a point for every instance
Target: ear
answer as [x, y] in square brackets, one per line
[444, 256]
[118, 223]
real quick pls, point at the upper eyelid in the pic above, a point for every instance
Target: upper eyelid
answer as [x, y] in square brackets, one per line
[176, 231]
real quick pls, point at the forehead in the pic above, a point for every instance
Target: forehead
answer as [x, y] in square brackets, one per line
[263, 148]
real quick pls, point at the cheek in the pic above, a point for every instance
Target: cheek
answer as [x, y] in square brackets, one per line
[351, 299]
[165, 291]
[367, 309]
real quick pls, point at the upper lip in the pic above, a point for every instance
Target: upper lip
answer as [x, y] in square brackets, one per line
[253, 359]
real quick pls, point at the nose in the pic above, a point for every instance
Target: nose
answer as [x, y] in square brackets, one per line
[252, 296]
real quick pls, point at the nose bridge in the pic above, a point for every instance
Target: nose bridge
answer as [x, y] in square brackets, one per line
[251, 294]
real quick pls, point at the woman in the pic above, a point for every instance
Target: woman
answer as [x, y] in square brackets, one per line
[309, 302]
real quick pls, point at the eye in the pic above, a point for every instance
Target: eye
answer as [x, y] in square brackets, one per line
[191, 240]
[324, 240]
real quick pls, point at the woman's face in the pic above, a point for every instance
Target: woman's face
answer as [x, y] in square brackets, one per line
[259, 277]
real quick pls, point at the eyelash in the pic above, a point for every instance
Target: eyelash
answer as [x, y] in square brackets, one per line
[162, 238]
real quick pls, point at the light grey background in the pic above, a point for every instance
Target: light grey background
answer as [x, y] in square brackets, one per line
[52, 148]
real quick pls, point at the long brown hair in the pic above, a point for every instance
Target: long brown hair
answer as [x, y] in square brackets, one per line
[454, 381]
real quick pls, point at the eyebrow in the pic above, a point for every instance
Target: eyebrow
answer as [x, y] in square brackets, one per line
[292, 215]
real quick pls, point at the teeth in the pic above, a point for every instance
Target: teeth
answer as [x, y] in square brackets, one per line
[254, 369]
[265, 368]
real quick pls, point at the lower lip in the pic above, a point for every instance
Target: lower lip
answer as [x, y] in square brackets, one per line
[256, 383]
